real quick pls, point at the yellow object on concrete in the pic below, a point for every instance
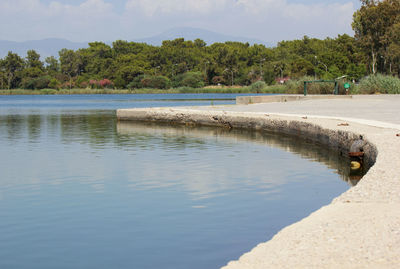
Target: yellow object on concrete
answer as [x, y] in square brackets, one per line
[355, 165]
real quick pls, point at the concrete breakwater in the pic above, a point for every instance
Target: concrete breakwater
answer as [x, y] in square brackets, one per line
[339, 139]
[359, 229]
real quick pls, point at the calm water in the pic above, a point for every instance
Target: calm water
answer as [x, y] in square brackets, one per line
[80, 190]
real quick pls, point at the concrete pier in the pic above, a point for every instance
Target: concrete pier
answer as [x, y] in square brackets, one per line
[361, 227]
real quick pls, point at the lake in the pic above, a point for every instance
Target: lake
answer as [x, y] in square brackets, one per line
[80, 190]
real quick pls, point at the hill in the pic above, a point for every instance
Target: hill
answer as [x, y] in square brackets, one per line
[45, 47]
[189, 33]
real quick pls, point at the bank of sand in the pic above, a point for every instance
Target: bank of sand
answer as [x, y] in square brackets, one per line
[358, 229]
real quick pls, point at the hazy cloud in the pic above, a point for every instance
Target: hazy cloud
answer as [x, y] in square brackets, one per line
[31, 19]
[153, 7]
[269, 20]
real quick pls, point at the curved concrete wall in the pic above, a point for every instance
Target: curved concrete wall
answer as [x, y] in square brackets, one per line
[359, 229]
[342, 140]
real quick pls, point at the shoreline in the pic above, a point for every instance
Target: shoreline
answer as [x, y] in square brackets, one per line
[358, 229]
[226, 90]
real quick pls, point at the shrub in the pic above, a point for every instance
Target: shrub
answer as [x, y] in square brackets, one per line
[42, 82]
[156, 82]
[28, 83]
[54, 84]
[379, 84]
[36, 83]
[68, 85]
[269, 76]
[120, 83]
[218, 80]
[94, 84]
[106, 84]
[258, 85]
[192, 79]
[136, 83]
[84, 85]
[297, 86]
[82, 81]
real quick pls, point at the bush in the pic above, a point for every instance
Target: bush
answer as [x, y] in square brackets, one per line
[218, 80]
[136, 83]
[28, 83]
[54, 84]
[155, 82]
[258, 85]
[94, 84]
[106, 84]
[84, 85]
[82, 81]
[269, 76]
[120, 83]
[98, 84]
[192, 79]
[379, 84]
[297, 86]
[68, 85]
[36, 83]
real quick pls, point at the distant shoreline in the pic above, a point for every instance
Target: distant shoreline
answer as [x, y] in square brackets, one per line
[276, 89]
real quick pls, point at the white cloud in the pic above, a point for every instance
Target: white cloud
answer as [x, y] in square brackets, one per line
[88, 8]
[152, 7]
[261, 7]
[31, 19]
[262, 19]
[270, 20]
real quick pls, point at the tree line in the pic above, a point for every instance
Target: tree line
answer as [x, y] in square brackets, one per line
[375, 48]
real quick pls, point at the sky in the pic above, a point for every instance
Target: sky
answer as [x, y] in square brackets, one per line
[107, 20]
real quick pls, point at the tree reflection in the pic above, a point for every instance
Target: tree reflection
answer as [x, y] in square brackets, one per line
[198, 136]
[99, 128]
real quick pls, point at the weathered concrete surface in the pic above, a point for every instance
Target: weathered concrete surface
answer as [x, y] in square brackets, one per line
[360, 228]
[246, 100]
[379, 108]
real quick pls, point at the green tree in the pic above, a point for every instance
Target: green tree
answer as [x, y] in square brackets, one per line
[71, 64]
[12, 65]
[52, 65]
[126, 67]
[156, 82]
[96, 59]
[191, 79]
[393, 50]
[33, 60]
[372, 24]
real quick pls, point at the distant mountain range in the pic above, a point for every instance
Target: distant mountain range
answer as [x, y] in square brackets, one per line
[51, 46]
[193, 33]
[45, 47]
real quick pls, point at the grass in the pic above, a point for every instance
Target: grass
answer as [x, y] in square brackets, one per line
[60, 92]
[379, 84]
[368, 85]
[269, 89]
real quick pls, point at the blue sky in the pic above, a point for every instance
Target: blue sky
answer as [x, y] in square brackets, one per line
[106, 20]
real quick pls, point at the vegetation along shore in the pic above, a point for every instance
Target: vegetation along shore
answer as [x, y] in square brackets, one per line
[370, 59]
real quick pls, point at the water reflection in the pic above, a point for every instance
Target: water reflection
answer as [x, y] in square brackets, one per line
[100, 130]
[75, 185]
[13, 126]
[197, 136]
